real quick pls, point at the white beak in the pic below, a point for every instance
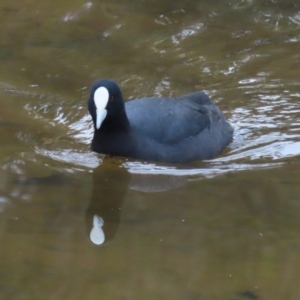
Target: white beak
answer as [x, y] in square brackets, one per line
[101, 97]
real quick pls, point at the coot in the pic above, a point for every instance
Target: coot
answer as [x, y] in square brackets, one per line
[177, 130]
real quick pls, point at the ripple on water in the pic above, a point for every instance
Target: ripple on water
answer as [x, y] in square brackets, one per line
[267, 128]
[265, 118]
[266, 133]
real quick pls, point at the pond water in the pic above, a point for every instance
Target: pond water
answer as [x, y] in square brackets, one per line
[78, 225]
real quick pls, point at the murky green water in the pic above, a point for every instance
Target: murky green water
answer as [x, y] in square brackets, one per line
[222, 229]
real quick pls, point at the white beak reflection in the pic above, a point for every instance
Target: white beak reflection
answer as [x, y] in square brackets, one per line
[97, 234]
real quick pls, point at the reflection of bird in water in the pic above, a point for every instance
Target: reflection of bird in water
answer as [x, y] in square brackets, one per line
[103, 216]
[110, 185]
[97, 234]
[111, 181]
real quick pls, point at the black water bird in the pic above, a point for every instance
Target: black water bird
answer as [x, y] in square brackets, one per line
[177, 130]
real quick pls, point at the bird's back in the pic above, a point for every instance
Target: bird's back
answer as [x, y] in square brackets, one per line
[173, 120]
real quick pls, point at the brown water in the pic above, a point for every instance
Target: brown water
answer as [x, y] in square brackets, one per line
[223, 229]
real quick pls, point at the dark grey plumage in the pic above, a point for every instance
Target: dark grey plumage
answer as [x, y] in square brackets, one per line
[178, 130]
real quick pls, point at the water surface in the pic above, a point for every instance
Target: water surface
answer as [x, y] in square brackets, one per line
[227, 228]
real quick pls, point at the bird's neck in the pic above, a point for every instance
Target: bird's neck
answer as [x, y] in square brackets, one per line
[115, 123]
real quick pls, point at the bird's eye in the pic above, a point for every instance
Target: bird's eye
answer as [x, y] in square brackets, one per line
[111, 98]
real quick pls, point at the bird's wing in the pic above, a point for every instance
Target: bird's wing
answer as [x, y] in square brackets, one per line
[170, 120]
